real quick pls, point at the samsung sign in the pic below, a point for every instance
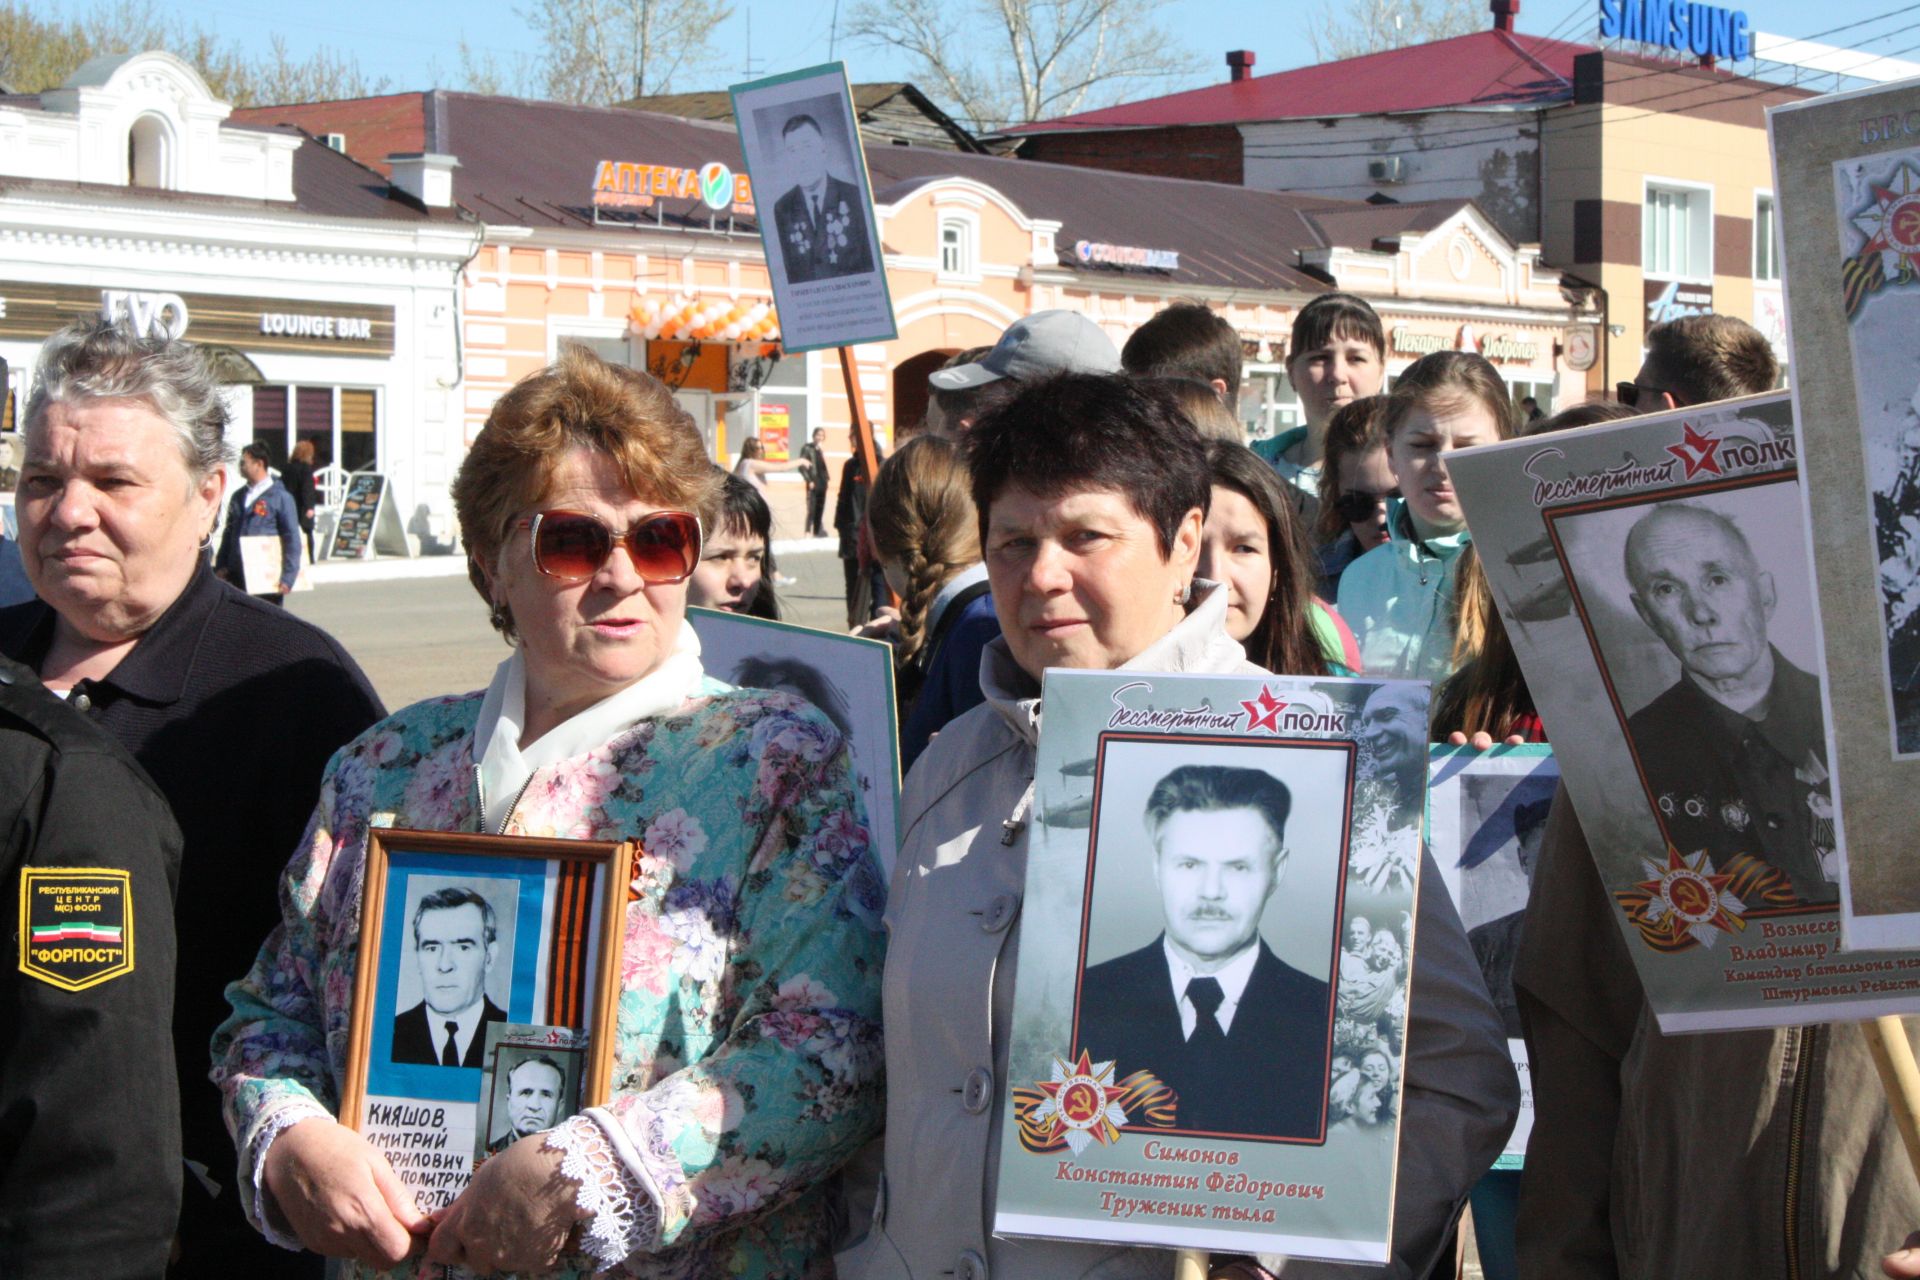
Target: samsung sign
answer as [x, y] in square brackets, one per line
[1704, 30]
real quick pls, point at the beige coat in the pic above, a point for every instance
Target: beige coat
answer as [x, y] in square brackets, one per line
[948, 1001]
[1768, 1155]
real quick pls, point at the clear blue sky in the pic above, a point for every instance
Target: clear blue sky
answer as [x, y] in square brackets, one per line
[408, 43]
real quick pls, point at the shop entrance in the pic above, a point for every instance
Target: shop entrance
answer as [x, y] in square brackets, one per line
[910, 388]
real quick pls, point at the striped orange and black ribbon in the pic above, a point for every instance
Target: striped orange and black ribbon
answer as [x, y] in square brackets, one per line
[1141, 1095]
[1861, 277]
[567, 971]
[1755, 883]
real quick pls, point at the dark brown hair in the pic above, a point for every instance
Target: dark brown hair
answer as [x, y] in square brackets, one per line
[1283, 639]
[1356, 429]
[1335, 315]
[1710, 357]
[1187, 340]
[1093, 431]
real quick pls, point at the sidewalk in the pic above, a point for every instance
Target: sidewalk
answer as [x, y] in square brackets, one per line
[787, 497]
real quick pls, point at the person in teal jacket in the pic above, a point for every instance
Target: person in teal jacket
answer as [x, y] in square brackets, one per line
[1337, 354]
[1405, 599]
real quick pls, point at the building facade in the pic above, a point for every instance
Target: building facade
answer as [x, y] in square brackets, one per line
[330, 300]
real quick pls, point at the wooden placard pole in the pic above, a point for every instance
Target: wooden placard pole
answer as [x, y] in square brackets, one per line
[862, 430]
[1900, 1077]
[857, 416]
[1190, 1264]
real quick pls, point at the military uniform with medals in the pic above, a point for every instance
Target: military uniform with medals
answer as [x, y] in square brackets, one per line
[90, 1165]
[822, 239]
[1730, 785]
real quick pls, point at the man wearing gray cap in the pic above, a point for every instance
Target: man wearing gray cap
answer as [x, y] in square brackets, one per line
[1046, 342]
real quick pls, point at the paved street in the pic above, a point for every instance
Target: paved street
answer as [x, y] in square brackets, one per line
[425, 636]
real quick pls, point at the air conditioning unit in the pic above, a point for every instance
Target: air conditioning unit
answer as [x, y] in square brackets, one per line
[1387, 169]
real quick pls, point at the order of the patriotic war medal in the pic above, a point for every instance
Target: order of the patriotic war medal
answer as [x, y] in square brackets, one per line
[76, 925]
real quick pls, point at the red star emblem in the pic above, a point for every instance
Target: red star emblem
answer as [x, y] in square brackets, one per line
[1700, 453]
[1264, 713]
[1687, 896]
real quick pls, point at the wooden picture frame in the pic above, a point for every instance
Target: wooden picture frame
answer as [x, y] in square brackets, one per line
[521, 934]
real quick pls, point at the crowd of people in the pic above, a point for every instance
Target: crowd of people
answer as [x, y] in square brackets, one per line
[1066, 503]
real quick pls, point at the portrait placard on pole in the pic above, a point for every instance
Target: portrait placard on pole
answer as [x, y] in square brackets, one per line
[1486, 815]
[848, 678]
[1197, 1061]
[1847, 183]
[800, 138]
[1654, 579]
[472, 947]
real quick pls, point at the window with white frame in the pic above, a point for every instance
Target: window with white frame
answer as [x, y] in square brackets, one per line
[1766, 250]
[1676, 232]
[956, 247]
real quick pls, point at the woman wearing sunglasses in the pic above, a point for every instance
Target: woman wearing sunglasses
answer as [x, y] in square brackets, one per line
[1356, 489]
[713, 1154]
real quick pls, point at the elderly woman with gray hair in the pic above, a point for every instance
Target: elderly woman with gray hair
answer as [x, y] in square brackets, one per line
[230, 704]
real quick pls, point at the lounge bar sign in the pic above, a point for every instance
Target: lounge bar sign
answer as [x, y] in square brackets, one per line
[34, 310]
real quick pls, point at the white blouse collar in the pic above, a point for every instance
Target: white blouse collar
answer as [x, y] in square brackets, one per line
[503, 766]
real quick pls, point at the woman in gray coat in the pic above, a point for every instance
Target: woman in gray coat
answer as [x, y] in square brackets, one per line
[1092, 494]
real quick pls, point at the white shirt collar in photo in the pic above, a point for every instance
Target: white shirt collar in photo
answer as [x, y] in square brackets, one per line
[256, 491]
[504, 767]
[1232, 979]
[465, 1024]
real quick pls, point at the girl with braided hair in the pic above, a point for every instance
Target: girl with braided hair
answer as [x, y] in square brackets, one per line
[927, 535]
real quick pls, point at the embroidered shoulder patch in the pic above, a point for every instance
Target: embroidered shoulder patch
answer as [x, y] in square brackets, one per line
[76, 925]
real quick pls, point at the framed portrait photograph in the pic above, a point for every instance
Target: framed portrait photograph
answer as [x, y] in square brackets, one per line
[530, 1080]
[473, 947]
[1183, 1005]
[801, 143]
[848, 678]
[1655, 583]
[1847, 182]
[1487, 814]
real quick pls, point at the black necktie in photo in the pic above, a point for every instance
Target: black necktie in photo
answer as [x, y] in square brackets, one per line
[1206, 995]
[448, 1058]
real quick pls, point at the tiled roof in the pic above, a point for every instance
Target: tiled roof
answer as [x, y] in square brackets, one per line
[532, 163]
[1483, 69]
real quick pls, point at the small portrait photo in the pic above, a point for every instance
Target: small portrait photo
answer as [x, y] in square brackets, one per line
[848, 679]
[1701, 615]
[1503, 820]
[821, 215]
[1215, 890]
[453, 976]
[531, 1089]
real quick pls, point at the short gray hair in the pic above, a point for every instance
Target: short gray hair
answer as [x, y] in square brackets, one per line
[97, 359]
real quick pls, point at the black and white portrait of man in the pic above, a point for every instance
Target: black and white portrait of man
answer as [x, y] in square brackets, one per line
[1238, 1033]
[456, 948]
[821, 218]
[1734, 750]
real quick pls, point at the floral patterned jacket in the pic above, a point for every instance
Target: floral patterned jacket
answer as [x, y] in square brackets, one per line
[748, 1064]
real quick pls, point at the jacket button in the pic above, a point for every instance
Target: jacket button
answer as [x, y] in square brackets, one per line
[81, 702]
[971, 1267]
[1775, 822]
[1000, 913]
[977, 1092]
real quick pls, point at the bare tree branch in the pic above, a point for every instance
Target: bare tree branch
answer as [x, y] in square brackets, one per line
[1350, 28]
[611, 50]
[1056, 56]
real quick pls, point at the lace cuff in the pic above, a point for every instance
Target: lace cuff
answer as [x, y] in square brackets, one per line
[255, 1199]
[621, 1216]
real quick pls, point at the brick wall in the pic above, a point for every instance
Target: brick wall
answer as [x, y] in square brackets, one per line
[1205, 153]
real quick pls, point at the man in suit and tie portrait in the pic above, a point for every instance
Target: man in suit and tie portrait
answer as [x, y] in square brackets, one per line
[1241, 1036]
[455, 944]
[820, 220]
